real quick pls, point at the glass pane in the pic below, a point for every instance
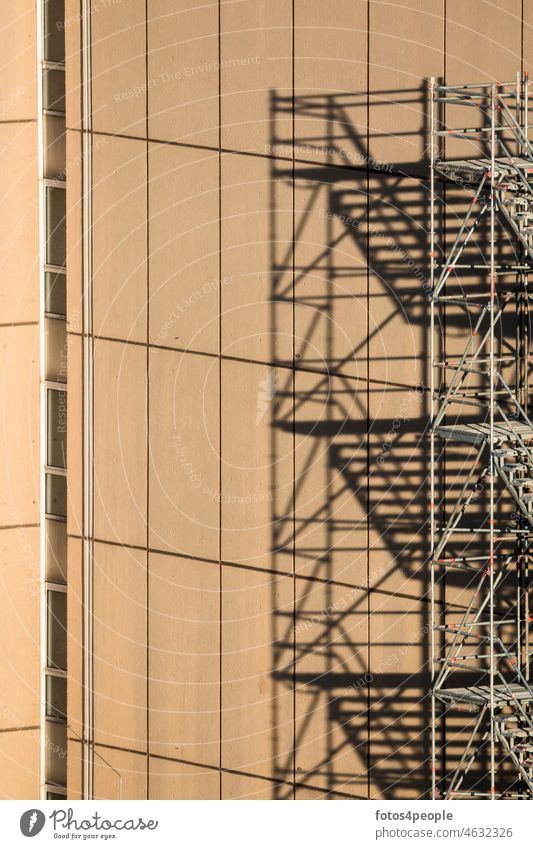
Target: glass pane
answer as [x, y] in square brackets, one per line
[56, 697]
[56, 551]
[55, 293]
[56, 349]
[57, 428]
[55, 226]
[54, 90]
[51, 796]
[56, 495]
[54, 30]
[57, 630]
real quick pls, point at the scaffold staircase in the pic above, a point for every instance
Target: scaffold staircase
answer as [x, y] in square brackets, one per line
[481, 502]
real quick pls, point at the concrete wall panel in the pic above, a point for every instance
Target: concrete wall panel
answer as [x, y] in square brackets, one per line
[331, 479]
[183, 72]
[174, 780]
[256, 705]
[484, 45]
[20, 636]
[255, 294]
[330, 289]
[119, 228]
[19, 460]
[398, 492]
[256, 472]
[18, 33]
[483, 41]
[235, 786]
[406, 48]
[184, 475]
[398, 284]
[131, 769]
[19, 223]
[19, 753]
[119, 68]
[399, 750]
[120, 442]
[184, 659]
[120, 717]
[256, 58]
[330, 81]
[331, 650]
[184, 274]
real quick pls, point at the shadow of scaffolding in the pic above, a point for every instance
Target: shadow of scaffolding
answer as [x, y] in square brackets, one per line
[354, 650]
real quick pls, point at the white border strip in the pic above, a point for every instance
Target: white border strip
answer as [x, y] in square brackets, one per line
[42, 401]
[88, 754]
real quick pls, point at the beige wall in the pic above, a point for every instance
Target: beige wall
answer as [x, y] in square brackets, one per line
[19, 420]
[260, 595]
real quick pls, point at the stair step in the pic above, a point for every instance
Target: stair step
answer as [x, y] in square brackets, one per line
[512, 468]
[519, 733]
[481, 695]
[476, 434]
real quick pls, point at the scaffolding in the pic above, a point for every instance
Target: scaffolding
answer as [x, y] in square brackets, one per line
[481, 441]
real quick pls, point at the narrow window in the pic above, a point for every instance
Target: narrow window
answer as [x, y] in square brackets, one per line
[54, 30]
[57, 630]
[56, 495]
[57, 428]
[56, 243]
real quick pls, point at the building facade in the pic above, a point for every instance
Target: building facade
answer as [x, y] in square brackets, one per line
[214, 239]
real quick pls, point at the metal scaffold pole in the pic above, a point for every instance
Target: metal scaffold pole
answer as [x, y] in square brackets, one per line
[432, 514]
[481, 441]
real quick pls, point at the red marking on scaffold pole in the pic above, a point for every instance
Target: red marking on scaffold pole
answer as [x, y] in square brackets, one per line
[513, 661]
[491, 521]
[433, 769]
[433, 253]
